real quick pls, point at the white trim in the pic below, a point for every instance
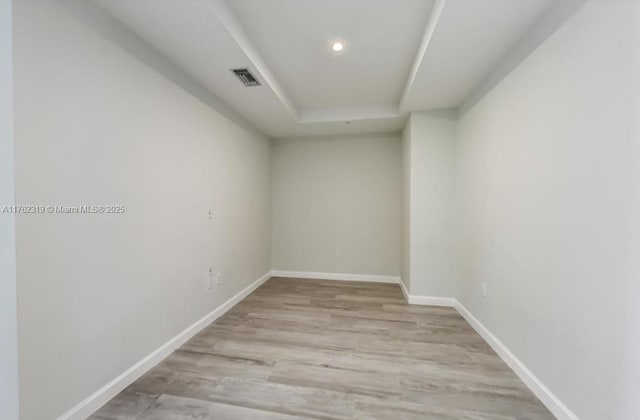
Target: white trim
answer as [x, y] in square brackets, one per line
[426, 300]
[431, 301]
[552, 402]
[536, 386]
[114, 387]
[335, 276]
[405, 292]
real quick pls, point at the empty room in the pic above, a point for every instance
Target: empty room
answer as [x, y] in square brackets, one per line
[319, 209]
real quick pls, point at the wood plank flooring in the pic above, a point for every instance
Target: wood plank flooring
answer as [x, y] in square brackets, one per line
[330, 350]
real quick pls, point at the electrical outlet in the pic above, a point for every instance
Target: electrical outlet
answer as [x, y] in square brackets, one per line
[210, 214]
[210, 279]
[218, 279]
[484, 290]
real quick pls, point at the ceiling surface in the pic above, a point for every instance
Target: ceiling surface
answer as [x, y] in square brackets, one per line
[398, 56]
[295, 38]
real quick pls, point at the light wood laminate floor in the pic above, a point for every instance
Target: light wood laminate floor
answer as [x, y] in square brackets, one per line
[330, 350]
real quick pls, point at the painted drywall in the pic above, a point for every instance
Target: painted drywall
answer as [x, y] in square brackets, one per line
[8, 305]
[95, 126]
[429, 167]
[120, 35]
[337, 205]
[548, 187]
[405, 139]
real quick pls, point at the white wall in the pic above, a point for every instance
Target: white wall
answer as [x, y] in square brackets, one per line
[8, 320]
[548, 171]
[406, 206]
[340, 193]
[430, 142]
[94, 125]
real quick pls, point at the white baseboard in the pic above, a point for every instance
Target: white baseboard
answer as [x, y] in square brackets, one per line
[91, 404]
[426, 300]
[113, 388]
[536, 386]
[335, 276]
[431, 301]
[405, 292]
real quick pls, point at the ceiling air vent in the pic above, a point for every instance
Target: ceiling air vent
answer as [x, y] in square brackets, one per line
[246, 77]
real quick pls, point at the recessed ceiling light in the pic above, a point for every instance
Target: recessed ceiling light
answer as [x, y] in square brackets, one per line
[337, 46]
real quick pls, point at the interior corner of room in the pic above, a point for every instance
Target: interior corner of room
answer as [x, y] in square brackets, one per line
[280, 209]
